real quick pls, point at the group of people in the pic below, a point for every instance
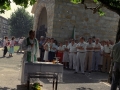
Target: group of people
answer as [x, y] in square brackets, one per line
[90, 55]
[8, 46]
[11, 46]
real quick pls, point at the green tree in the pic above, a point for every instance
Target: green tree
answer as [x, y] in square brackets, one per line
[113, 5]
[5, 4]
[20, 23]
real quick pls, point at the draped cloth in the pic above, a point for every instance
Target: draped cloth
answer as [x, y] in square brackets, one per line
[30, 55]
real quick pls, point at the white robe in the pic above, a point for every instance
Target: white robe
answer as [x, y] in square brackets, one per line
[34, 52]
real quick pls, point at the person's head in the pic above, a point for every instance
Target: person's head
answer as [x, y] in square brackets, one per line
[13, 38]
[97, 40]
[32, 34]
[111, 42]
[72, 41]
[66, 41]
[55, 41]
[81, 39]
[5, 38]
[60, 43]
[42, 38]
[48, 40]
[90, 40]
[107, 42]
[52, 40]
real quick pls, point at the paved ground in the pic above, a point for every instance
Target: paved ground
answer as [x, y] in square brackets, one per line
[10, 77]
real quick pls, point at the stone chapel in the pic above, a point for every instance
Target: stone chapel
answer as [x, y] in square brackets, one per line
[58, 19]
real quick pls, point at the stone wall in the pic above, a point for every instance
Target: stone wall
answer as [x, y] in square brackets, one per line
[68, 15]
[49, 5]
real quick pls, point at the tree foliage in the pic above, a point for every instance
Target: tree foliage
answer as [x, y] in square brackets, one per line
[20, 23]
[5, 4]
[113, 5]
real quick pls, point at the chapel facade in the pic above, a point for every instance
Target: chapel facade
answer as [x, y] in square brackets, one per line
[58, 19]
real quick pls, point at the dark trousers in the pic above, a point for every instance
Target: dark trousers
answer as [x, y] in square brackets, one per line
[5, 50]
[116, 76]
[41, 54]
[51, 56]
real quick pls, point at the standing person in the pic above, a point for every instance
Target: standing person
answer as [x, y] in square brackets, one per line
[11, 50]
[66, 55]
[72, 54]
[96, 55]
[46, 47]
[101, 56]
[20, 44]
[31, 53]
[81, 53]
[52, 50]
[89, 55]
[41, 48]
[106, 57]
[116, 65]
[60, 52]
[5, 44]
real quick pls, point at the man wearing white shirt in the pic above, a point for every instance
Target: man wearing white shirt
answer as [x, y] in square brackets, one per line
[96, 55]
[81, 53]
[106, 56]
[89, 55]
[72, 54]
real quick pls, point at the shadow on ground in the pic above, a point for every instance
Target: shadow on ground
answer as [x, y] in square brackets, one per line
[83, 88]
[21, 87]
[6, 88]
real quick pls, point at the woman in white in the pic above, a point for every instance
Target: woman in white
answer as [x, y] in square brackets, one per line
[66, 55]
[46, 47]
[11, 50]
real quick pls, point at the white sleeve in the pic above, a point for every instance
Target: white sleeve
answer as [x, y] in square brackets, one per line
[77, 45]
[24, 46]
[68, 46]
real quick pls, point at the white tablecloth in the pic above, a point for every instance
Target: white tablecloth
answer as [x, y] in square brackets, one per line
[44, 67]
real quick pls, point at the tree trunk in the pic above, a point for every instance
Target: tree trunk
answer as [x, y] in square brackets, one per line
[118, 32]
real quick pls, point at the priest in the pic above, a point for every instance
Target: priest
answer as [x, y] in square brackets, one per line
[31, 53]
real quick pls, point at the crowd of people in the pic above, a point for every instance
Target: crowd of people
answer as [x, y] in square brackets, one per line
[82, 55]
[11, 43]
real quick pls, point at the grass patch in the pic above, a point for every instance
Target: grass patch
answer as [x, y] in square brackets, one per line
[15, 48]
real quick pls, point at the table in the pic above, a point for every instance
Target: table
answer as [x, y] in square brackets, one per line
[44, 67]
[40, 75]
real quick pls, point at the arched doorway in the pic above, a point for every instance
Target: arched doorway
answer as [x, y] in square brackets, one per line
[42, 24]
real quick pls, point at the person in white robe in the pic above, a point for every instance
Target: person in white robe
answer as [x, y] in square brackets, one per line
[46, 47]
[31, 53]
[66, 55]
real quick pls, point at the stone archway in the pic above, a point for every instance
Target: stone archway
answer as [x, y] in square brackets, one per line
[42, 24]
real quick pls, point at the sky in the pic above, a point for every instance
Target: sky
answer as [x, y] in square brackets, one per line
[13, 8]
